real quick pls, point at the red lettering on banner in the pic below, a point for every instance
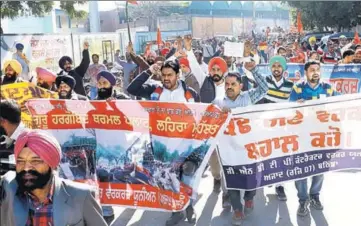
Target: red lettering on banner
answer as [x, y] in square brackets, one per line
[265, 148]
[329, 139]
[324, 116]
[297, 119]
[242, 124]
[345, 85]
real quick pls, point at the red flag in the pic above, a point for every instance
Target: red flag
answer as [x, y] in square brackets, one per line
[159, 37]
[299, 23]
[134, 2]
[356, 38]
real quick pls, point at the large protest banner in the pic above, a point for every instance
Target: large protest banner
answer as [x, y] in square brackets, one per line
[141, 154]
[273, 143]
[22, 92]
[345, 78]
[40, 49]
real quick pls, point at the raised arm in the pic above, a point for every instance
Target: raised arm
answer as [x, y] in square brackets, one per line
[83, 67]
[256, 94]
[193, 63]
[137, 59]
[138, 87]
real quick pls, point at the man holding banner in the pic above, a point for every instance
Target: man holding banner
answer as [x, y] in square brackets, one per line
[234, 99]
[310, 90]
[279, 89]
[173, 90]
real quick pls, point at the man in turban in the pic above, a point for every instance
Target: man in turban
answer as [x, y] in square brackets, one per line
[91, 74]
[212, 87]
[45, 78]
[312, 44]
[66, 64]
[105, 84]
[12, 70]
[65, 85]
[279, 90]
[188, 76]
[21, 58]
[35, 195]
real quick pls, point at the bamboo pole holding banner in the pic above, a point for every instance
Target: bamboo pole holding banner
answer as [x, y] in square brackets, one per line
[127, 16]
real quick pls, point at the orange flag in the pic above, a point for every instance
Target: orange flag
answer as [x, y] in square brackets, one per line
[159, 37]
[299, 23]
[356, 38]
[134, 2]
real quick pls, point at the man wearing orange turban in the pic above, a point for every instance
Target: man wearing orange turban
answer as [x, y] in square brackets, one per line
[35, 194]
[212, 87]
[12, 69]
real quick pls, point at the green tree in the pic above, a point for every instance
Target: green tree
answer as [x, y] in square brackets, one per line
[324, 15]
[13, 9]
[149, 10]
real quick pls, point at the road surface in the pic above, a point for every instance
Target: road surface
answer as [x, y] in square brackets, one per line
[340, 196]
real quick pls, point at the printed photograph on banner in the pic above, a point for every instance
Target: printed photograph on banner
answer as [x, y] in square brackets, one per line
[124, 158]
[176, 161]
[78, 153]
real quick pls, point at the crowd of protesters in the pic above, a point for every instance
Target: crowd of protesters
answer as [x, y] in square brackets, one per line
[183, 71]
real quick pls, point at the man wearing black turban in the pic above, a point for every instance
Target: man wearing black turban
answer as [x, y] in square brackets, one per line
[105, 84]
[66, 84]
[66, 64]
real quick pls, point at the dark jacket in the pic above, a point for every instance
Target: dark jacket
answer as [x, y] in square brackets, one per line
[79, 72]
[5, 152]
[192, 82]
[117, 95]
[138, 88]
[208, 90]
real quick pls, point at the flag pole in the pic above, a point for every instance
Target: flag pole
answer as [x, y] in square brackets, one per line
[127, 16]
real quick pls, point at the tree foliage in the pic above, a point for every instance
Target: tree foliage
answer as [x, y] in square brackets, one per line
[13, 9]
[149, 10]
[323, 15]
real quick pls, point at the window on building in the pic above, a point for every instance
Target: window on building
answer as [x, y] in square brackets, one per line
[58, 21]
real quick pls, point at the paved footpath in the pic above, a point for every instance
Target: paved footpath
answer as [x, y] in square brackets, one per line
[340, 195]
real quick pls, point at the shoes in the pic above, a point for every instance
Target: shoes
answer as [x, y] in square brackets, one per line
[237, 218]
[226, 201]
[217, 186]
[280, 191]
[191, 215]
[248, 207]
[316, 204]
[303, 209]
[175, 219]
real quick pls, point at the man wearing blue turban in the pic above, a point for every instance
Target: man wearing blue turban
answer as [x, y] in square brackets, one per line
[21, 58]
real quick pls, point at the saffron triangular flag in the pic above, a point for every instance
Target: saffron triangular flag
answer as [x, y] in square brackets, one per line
[299, 23]
[134, 2]
[356, 38]
[159, 37]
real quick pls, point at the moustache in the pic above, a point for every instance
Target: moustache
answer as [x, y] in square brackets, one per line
[229, 90]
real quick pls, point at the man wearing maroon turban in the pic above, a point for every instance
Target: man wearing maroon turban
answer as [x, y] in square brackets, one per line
[35, 195]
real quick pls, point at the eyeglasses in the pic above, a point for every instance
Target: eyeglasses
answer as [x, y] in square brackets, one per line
[34, 162]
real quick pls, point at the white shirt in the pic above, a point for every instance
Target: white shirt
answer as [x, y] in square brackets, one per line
[176, 95]
[18, 131]
[9, 140]
[204, 67]
[220, 91]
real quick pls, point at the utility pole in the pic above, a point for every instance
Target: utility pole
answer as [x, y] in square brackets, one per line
[94, 16]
